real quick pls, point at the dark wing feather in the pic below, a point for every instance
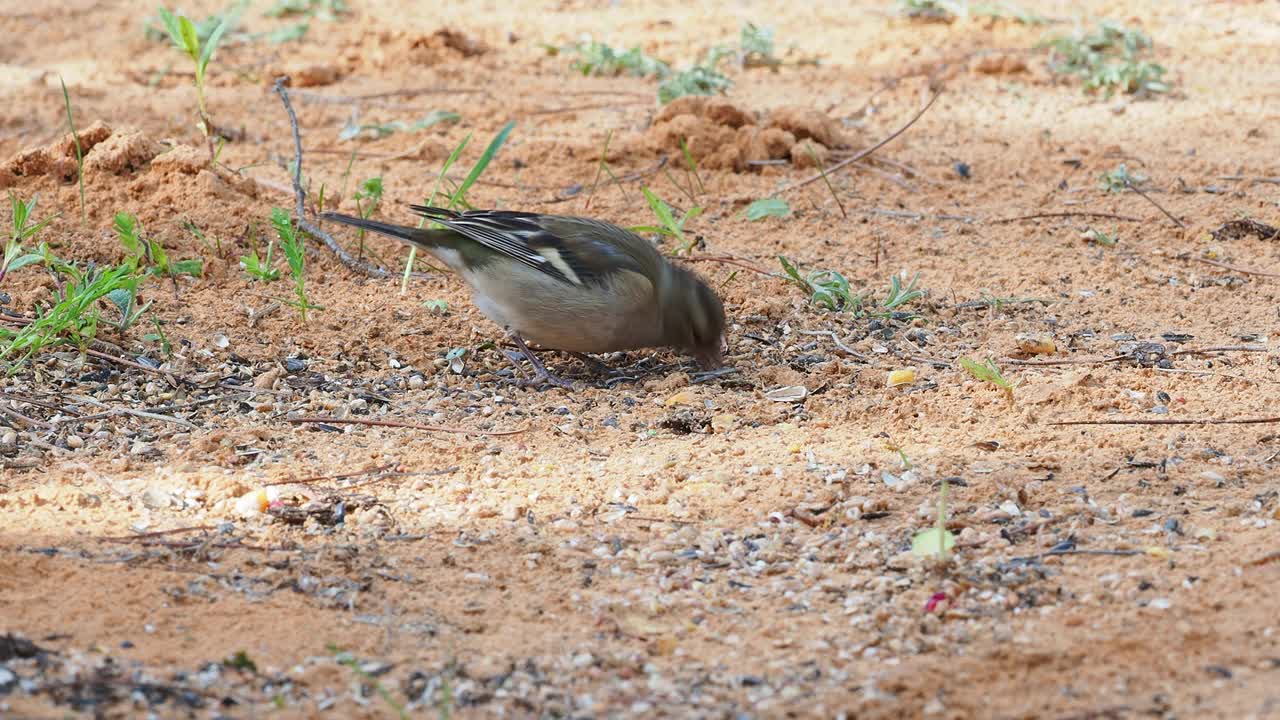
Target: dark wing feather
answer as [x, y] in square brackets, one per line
[572, 250]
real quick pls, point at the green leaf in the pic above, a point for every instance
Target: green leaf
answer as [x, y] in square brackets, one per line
[476, 170]
[767, 207]
[127, 230]
[212, 44]
[24, 261]
[933, 542]
[194, 267]
[174, 27]
[190, 40]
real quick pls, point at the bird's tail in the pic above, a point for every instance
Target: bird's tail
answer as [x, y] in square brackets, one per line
[417, 236]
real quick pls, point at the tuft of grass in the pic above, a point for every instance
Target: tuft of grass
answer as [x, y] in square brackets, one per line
[1120, 179]
[1107, 59]
[1098, 237]
[988, 372]
[185, 37]
[353, 130]
[75, 136]
[24, 227]
[294, 251]
[767, 207]
[599, 59]
[756, 47]
[603, 167]
[669, 226]
[367, 198]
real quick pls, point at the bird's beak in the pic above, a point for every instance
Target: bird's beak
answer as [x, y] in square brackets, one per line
[712, 357]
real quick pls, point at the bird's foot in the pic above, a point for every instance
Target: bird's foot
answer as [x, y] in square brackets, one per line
[541, 375]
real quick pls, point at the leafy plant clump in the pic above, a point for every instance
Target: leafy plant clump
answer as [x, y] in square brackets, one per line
[148, 255]
[23, 228]
[599, 59]
[704, 78]
[767, 207]
[830, 290]
[1108, 59]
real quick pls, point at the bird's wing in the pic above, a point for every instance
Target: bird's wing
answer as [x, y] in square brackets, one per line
[578, 251]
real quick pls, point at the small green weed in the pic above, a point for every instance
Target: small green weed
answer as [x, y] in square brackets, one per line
[1097, 237]
[767, 207]
[930, 10]
[149, 255]
[24, 227]
[185, 37]
[825, 288]
[75, 136]
[703, 79]
[937, 541]
[898, 296]
[294, 251]
[669, 226]
[988, 372]
[260, 268]
[1120, 179]
[1107, 59]
[367, 198]
[755, 47]
[599, 59]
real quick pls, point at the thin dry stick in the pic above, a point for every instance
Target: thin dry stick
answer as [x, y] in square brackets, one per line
[1233, 268]
[157, 533]
[1070, 361]
[726, 260]
[835, 339]
[1172, 421]
[321, 478]
[301, 195]
[822, 170]
[1221, 348]
[397, 424]
[1151, 200]
[1075, 213]
[862, 153]
[411, 92]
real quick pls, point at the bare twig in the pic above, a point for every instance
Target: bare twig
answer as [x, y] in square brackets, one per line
[27, 421]
[1172, 421]
[1070, 361]
[1233, 268]
[397, 424]
[157, 533]
[322, 478]
[1151, 200]
[1221, 348]
[301, 195]
[1075, 213]
[861, 153]
[836, 340]
[728, 260]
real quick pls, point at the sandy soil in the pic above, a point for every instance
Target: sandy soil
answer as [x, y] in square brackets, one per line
[665, 547]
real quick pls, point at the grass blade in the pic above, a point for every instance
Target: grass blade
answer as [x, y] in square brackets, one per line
[66, 99]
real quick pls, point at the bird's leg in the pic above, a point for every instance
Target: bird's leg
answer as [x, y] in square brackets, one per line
[540, 373]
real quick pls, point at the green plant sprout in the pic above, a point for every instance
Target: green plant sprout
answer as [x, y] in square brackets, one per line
[701, 79]
[669, 227]
[599, 59]
[367, 198]
[1098, 237]
[825, 288]
[988, 372]
[353, 130]
[691, 167]
[23, 228]
[149, 255]
[1120, 179]
[294, 251]
[937, 541]
[898, 296]
[603, 167]
[1107, 59]
[166, 347]
[459, 194]
[183, 33]
[767, 207]
[75, 137]
[260, 269]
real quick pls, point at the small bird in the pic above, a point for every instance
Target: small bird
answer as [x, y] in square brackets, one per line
[568, 283]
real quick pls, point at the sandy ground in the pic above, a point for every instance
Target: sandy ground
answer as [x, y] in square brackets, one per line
[669, 546]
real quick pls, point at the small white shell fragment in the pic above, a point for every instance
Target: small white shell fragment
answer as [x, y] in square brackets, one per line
[789, 393]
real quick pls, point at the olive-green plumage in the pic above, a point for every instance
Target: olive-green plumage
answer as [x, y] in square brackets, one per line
[570, 283]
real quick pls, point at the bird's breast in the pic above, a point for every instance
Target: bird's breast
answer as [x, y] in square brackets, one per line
[619, 314]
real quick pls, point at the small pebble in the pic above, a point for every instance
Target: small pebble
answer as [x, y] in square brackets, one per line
[75, 442]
